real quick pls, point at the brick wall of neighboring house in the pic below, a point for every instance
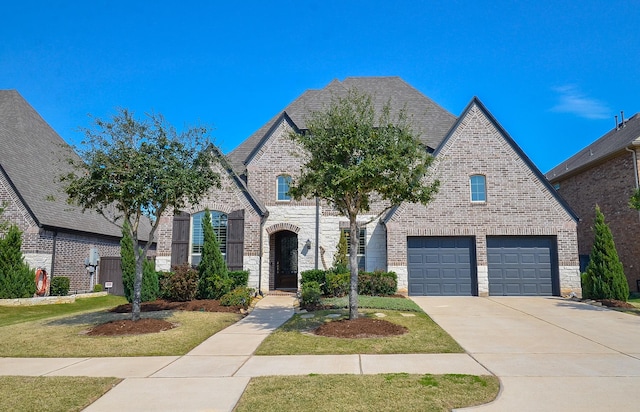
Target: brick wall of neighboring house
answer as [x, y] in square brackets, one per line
[518, 203]
[227, 199]
[608, 184]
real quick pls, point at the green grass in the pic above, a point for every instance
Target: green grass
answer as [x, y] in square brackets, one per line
[353, 393]
[66, 337]
[374, 302]
[10, 315]
[51, 394]
[294, 337]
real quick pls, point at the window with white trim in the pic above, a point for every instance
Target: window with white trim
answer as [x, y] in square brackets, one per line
[478, 185]
[283, 184]
[219, 223]
[361, 246]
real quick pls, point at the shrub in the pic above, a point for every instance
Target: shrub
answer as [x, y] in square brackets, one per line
[17, 280]
[98, 287]
[377, 283]
[59, 286]
[213, 272]
[150, 287]
[310, 293]
[181, 285]
[314, 275]
[337, 284]
[239, 278]
[340, 259]
[240, 296]
[604, 277]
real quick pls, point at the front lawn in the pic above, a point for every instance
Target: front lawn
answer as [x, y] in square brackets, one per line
[66, 336]
[51, 394]
[389, 392]
[295, 337]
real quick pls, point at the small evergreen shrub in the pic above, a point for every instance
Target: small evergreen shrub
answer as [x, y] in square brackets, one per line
[213, 272]
[377, 283]
[180, 285]
[98, 288]
[315, 275]
[150, 287]
[310, 294]
[604, 277]
[17, 280]
[240, 296]
[340, 259]
[239, 278]
[337, 284]
[59, 286]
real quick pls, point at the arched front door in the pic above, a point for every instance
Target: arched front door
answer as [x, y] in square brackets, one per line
[285, 263]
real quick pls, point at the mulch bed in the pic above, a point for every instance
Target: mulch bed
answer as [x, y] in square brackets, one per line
[150, 325]
[616, 304]
[129, 327]
[360, 328]
[205, 305]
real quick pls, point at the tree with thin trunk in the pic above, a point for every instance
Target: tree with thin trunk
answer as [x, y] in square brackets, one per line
[135, 170]
[355, 156]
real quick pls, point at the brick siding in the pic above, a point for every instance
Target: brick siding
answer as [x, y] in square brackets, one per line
[608, 184]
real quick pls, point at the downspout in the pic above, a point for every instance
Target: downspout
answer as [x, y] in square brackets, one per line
[317, 253]
[262, 221]
[635, 164]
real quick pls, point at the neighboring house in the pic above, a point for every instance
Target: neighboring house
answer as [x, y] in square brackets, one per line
[56, 236]
[496, 227]
[605, 173]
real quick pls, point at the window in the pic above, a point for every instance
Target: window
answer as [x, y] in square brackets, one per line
[284, 182]
[478, 188]
[219, 223]
[361, 246]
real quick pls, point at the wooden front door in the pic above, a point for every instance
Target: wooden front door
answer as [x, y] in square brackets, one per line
[286, 260]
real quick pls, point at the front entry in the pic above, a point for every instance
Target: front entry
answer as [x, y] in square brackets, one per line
[285, 262]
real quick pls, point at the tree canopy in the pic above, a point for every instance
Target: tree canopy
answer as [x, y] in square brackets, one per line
[134, 170]
[355, 156]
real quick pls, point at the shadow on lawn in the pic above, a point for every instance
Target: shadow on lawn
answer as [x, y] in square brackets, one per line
[97, 318]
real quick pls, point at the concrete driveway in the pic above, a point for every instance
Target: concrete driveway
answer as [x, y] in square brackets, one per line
[551, 354]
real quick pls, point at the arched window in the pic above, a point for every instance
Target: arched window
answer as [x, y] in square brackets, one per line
[478, 188]
[283, 183]
[219, 223]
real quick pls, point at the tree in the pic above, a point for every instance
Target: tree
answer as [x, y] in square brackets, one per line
[135, 170]
[355, 157]
[340, 262]
[604, 277]
[214, 275]
[17, 280]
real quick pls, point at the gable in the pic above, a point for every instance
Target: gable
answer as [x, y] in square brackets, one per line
[517, 193]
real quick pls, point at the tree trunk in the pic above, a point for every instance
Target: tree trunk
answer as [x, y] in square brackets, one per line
[137, 283]
[354, 241]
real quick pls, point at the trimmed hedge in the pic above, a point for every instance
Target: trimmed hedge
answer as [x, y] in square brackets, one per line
[337, 284]
[377, 283]
[240, 296]
[311, 293]
[239, 278]
[59, 286]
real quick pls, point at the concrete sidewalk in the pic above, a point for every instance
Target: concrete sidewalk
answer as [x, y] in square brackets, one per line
[214, 375]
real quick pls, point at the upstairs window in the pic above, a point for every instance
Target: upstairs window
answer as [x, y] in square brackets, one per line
[478, 188]
[219, 223]
[283, 184]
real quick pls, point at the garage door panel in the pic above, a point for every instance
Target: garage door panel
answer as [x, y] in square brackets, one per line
[521, 266]
[446, 265]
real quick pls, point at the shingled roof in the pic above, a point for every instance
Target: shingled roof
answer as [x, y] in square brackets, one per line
[616, 140]
[32, 157]
[431, 122]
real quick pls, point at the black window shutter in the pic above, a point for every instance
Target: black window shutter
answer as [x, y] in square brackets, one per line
[235, 240]
[180, 238]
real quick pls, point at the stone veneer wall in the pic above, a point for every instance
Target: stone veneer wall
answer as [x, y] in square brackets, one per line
[608, 184]
[518, 203]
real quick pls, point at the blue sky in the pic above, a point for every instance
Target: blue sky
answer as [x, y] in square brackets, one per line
[554, 74]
